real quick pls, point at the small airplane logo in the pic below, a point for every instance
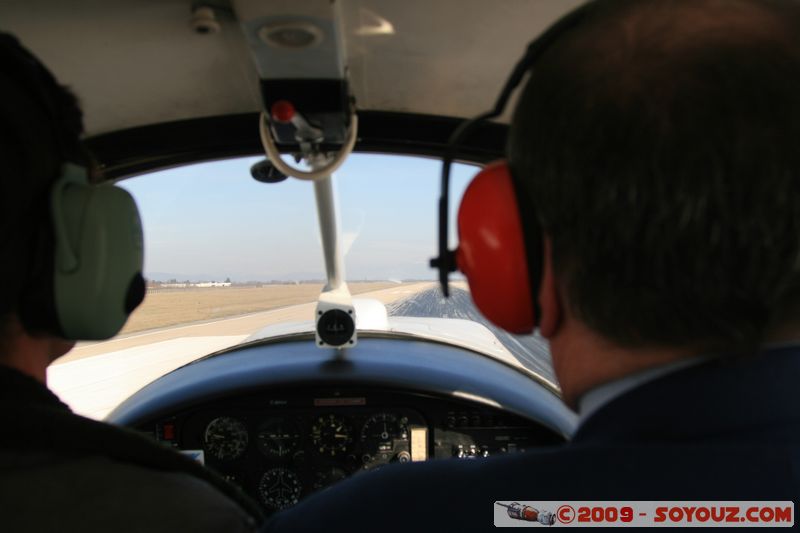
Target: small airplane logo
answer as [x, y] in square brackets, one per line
[517, 511]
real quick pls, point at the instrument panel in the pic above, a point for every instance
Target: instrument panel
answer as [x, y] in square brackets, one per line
[281, 446]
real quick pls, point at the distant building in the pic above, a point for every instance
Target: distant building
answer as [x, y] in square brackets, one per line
[206, 284]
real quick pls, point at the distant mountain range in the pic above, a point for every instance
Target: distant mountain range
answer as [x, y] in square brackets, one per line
[164, 277]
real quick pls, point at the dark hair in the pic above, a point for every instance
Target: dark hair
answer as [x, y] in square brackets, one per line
[40, 128]
[659, 143]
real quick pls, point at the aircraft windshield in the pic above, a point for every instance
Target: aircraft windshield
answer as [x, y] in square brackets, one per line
[227, 256]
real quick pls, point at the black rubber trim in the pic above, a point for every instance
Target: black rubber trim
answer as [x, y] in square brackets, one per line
[147, 148]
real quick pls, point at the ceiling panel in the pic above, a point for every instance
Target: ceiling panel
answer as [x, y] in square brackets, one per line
[137, 62]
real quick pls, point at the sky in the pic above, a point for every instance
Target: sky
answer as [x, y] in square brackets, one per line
[212, 221]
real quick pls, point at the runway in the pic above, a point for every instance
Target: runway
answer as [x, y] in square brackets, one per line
[95, 377]
[530, 350]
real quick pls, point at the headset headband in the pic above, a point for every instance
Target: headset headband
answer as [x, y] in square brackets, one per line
[446, 261]
[39, 84]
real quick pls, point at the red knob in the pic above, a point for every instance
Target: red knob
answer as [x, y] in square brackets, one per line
[282, 111]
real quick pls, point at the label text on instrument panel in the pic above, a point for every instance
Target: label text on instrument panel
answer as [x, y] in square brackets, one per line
[339, 402]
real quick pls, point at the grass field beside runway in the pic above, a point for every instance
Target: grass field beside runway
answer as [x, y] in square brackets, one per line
[163, 308]
[282, 308]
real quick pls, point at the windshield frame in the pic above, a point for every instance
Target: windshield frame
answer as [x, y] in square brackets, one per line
[131, 152]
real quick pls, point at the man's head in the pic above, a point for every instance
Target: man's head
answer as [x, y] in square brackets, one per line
[40, 128]
[658, 143]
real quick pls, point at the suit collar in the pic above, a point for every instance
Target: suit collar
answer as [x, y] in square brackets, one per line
[713, 400]
[599, 396]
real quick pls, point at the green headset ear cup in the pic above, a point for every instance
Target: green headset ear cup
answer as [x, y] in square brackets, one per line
[98, 256]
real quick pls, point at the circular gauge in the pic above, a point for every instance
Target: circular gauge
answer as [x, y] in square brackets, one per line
[225, 438]
[279, 488]
[277, 438]
[381, 434]
[331, 435]
[328, 476]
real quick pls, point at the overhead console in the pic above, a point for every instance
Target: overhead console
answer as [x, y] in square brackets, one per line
[300, 59]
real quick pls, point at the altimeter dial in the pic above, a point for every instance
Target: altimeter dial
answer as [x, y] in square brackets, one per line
[331, 435]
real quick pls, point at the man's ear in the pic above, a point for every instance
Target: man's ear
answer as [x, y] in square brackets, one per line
[549, 295]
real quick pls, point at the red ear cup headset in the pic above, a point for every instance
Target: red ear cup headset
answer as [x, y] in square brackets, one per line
[495, 254]
[500, 238]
